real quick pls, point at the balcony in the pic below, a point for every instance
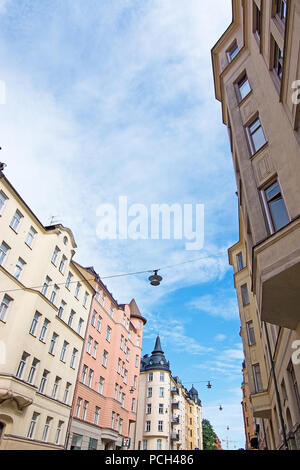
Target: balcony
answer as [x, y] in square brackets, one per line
[261, 405]
[276, 277]
[175, 405]
[175, 421]
[175, 390]
[174, 437]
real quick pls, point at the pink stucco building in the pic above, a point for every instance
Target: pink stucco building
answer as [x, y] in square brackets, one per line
[105, 399]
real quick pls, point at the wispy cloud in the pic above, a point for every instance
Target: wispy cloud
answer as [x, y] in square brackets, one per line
[218, 305]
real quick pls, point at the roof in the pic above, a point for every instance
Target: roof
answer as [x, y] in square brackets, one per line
[157, 359]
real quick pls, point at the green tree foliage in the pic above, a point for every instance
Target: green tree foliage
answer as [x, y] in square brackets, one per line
[209, 436]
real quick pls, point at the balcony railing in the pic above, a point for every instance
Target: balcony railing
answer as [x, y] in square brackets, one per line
[175, 437]
[175, 390]
[175, 405]
[175, 421]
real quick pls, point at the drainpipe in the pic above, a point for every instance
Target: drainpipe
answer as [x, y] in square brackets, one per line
[276, 389]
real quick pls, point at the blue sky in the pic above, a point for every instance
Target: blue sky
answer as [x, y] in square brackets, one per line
[109, 98]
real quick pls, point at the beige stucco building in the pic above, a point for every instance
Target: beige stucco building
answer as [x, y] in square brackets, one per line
[256, 64]
[44, 308]
[163, 407]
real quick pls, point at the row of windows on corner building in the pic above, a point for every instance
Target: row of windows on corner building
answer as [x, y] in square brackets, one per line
[144, 446]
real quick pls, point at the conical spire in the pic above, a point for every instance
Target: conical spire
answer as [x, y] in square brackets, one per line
[157, 347]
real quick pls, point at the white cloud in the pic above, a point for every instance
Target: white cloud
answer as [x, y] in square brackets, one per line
[220, 337]
[218, 305]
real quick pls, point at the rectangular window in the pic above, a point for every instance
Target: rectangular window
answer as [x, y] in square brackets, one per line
[44, 330]
[256, 136]
[4, 248]
[22, 365]
[119, 366]
[32, 425]
[232, 52]
[84, 372]
[58, 432]
[54, 293]
[53, 343]
[159, 444]
[245, 294]
[108, 333]
[123, 400]
[30, 237]
[294, 384]
[104, 358]
[257, 378]
[93, 320]
[275, 207]
[162, 377]
[144, 444]
[67, 392]
[239, 261]
[136, 361]
[46, 286]
[99, 323]
[32, 371]
[89, 345]
[62, 264]
[80, 323]
[85, 408]
[250, 333]
[44, 381]
[256, 21]
[133, 405]
[71, 318]
[63, 351]
[278, 61]
[161, 391]
[73, 358]
[101, 385]
[94, 354]
[160, 426]
[103, 300]
[148, 409]
[93, 443]
[56, 387]
[121, 342]
[111, 311]
[78, 406]
[3, 200]
[77, 290]
[46, 429]
[76, 442]
[148, 426]
[19, 268]
[98, 293]
[55, 255]
[244, 87]
[16, 220]
[96, 415]
[90, 379]
[120, 426]
[69, 280]
[6, 302]
[149, 394]
[281, 9]
[61, 309]
[161, 408]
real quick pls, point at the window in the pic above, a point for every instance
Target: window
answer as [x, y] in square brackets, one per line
[133, 404]
[54, 293]
[94, 354]
[256, 136]
[55, 255]
[44, 330]
[148, 409]
[245, 295]
[160, 426]
[63, 351]
[250, 333]
[84, 372]
[278, 61]
[71, 318]
[275, 207]
[295, 388]
[76, 442]
[96, 415]
[66, 392]
[52, 344]
[162, 377]
[127, 354]
[281, 9]
[98, 293]
[90, 379]
[149, 392]
[119, 366]
[32, 371]
[103, 300]
[46, 286]
[144, 444]
[85, 299]
[104, 358]
[85, 408]
[161, 391]
[89, 345]
[78, 406]
[30, 237]
[58, 432]
[136, 361]
[239, 261]
[32, 425]
[138, 340]
[116, 391]
[3, 200]
[69, 280]
[80, 323]
[61, 309]
[56, 387]
[161, 408]
[44, 381]
[62, 264]
[19, 268]
[111, 311]
[93, 443]
[148, 426]
[159, 444]
[256, 21]
[46, 429]
[244, 88]
[99, 323]
[120, 426]
[16, 220]
[108, 333]
[101, 385]
[135, 381]
[232, 51]
[4, 307]
[121, 342]
[112, 419]
[93, 320]
[257, 378]
[77, 290]
[123, 400]
[3, 252]
[73, 358]
[120, 393]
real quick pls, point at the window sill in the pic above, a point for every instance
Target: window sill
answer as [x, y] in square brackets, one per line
[30, 247]
[243, 100]
[15, 231]
[259, 150]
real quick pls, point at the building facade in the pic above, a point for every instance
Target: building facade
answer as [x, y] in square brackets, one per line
[44, 309]
[256, 71]
[249, 421]
[163, 408]
[105, 401]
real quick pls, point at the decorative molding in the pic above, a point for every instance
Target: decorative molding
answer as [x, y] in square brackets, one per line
[263, 167]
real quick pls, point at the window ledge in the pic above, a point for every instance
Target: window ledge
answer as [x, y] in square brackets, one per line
[259, 150]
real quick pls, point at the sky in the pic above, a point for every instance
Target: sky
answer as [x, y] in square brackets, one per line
[110, 98]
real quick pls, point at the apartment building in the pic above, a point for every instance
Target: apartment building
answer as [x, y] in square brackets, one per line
[105, 401]
[251, 429]
[44, 309]
[256, 67]
[161, 414]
